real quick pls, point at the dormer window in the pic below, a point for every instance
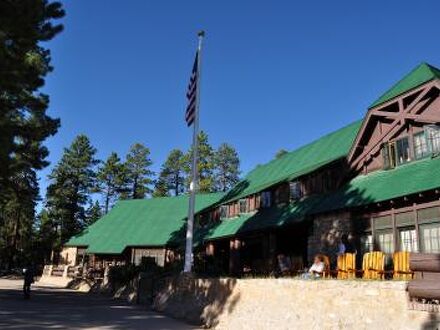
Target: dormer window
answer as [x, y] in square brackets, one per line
[402, 151]
[295, 190]
[433, 138]
[266, 199]
[395, 153]
[420, 146]
[243, 206]
[224, 211]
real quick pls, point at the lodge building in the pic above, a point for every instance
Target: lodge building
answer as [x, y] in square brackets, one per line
[376, 180]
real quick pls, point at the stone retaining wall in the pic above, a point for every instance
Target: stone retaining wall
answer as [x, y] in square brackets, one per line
[293, 304]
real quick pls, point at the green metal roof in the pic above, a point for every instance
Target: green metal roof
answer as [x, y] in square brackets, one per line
[308, 158]
[375, 187]
[385, 185]
[142, 222]
[417, 77]
[273, 217]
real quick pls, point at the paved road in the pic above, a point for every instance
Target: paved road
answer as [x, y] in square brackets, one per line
[52, 308]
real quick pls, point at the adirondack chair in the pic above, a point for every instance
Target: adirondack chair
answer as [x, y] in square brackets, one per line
[373, 265]
[401, 266]
[326, 273]
[346, 266]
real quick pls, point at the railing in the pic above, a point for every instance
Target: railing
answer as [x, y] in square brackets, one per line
[59, 271]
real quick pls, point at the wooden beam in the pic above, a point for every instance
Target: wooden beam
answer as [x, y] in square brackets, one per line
[394, 125]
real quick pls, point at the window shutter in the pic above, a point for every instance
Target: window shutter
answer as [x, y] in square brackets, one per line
[383, 222]
[431, 214]
[405, 219]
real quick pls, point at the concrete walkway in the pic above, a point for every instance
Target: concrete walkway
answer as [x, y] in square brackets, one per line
[55, 308]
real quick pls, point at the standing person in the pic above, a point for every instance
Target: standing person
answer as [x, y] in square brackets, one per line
[28, 280]
[284, 265]
[345, 245]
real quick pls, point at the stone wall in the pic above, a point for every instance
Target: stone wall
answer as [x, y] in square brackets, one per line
[293, 304]
[68, 255]
[326, 232]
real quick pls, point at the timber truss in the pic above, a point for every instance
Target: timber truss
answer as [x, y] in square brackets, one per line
[389, 119]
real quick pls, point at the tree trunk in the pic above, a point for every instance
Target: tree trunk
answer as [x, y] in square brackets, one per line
[14, 248]
[107, 201]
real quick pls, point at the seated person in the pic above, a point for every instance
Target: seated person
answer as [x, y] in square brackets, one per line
[284, 264]
[317, 268]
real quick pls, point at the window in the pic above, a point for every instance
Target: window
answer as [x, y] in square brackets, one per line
[386, 156]
[366, 243]
[430, 237]
[384, 240]
[266, 199]
[204, 219]
[295, 190]
[395, 153]
[408, 239]
[433, 138]
[402, 151]
[224, 211]
[420, 146]
[389, 155]
[243, 206]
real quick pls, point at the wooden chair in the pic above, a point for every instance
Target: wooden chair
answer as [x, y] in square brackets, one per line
[346, 266]
[401, 266]
[297, 264]
[326, 273]
[373, 265]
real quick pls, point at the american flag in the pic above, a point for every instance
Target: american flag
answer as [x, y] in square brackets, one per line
[191, 94]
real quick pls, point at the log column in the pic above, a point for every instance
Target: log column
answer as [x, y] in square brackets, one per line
[234, 257]
[210, 249]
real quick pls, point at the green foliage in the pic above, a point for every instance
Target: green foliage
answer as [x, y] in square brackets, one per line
[93, 213]
[227, 167]
[161, 187]
[46, 237]
[171, 176]
[72, 181]
[138, 169]
[24, 63]
[17, 218]
[24, 123]
[111, 179]
[205, 165]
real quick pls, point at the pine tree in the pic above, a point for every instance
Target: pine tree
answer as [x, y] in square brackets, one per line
[24, 62]
[46, 236]
[24, 123]
[17, 218]
[111, 179]
[160, 186]
[205, 165]
[93, 213]
[139, 174]
[227, 167]
[72, 182]
[171, 176]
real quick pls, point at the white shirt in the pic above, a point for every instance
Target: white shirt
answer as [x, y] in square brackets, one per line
[318, 268]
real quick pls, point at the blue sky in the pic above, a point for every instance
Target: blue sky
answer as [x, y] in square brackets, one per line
[276, 74]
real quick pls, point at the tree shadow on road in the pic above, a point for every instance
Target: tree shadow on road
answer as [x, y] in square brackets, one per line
[57, 308]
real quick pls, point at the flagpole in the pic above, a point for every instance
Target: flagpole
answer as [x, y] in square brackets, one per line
[194, 173]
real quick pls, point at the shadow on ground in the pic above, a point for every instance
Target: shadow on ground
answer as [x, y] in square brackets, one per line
[65, 309]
